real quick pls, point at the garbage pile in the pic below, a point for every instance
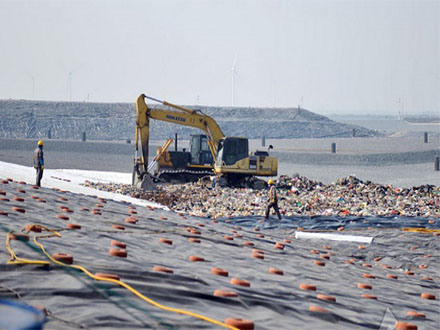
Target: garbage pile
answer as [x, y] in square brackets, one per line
[297, 195]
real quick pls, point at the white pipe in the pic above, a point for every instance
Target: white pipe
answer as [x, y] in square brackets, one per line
[334, 237]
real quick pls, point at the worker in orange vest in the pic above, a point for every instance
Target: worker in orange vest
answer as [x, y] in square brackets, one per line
[273, 199]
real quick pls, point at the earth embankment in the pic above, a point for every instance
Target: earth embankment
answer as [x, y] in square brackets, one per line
[116, 121]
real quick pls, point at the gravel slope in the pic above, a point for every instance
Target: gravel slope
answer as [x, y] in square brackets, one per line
[116, 121]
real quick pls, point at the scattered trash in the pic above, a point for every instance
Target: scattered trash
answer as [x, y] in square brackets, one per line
[297, 196]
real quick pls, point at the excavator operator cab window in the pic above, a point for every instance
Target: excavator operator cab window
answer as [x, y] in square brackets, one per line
[205, 146]
[200, 152]
[234, 149]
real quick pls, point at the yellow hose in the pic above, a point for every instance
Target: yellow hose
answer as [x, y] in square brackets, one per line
[17, 260]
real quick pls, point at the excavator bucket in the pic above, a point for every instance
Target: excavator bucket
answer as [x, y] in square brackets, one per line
[147, 183]
[142, 181]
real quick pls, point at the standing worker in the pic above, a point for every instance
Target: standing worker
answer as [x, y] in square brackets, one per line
[39, 162]
[273, 200]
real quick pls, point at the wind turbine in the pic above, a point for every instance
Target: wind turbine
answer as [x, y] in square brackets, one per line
[400, 109]
[234, 74]
[69, 85]
[33, 85]
[69, 81]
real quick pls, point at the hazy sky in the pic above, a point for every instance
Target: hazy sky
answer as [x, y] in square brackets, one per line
[330, 56]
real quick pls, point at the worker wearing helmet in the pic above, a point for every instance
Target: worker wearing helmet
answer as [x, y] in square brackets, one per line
[273, 200]
[39, 162]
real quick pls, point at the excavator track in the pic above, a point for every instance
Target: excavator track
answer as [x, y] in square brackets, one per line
[182, 175]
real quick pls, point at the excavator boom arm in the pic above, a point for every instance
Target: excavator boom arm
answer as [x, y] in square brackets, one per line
[184, 117]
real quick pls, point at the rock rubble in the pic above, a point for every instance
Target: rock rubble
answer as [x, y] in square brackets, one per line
[297, 196]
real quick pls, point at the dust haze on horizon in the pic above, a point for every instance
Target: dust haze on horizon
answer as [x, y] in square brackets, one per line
[331, 57]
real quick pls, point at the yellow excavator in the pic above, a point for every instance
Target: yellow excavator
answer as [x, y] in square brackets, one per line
[210, 154]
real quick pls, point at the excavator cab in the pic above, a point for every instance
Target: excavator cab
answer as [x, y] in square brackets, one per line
[236, 164]
[200, 152]
[232, 149]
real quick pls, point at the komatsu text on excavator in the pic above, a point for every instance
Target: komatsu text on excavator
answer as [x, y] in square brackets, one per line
[210, 154]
